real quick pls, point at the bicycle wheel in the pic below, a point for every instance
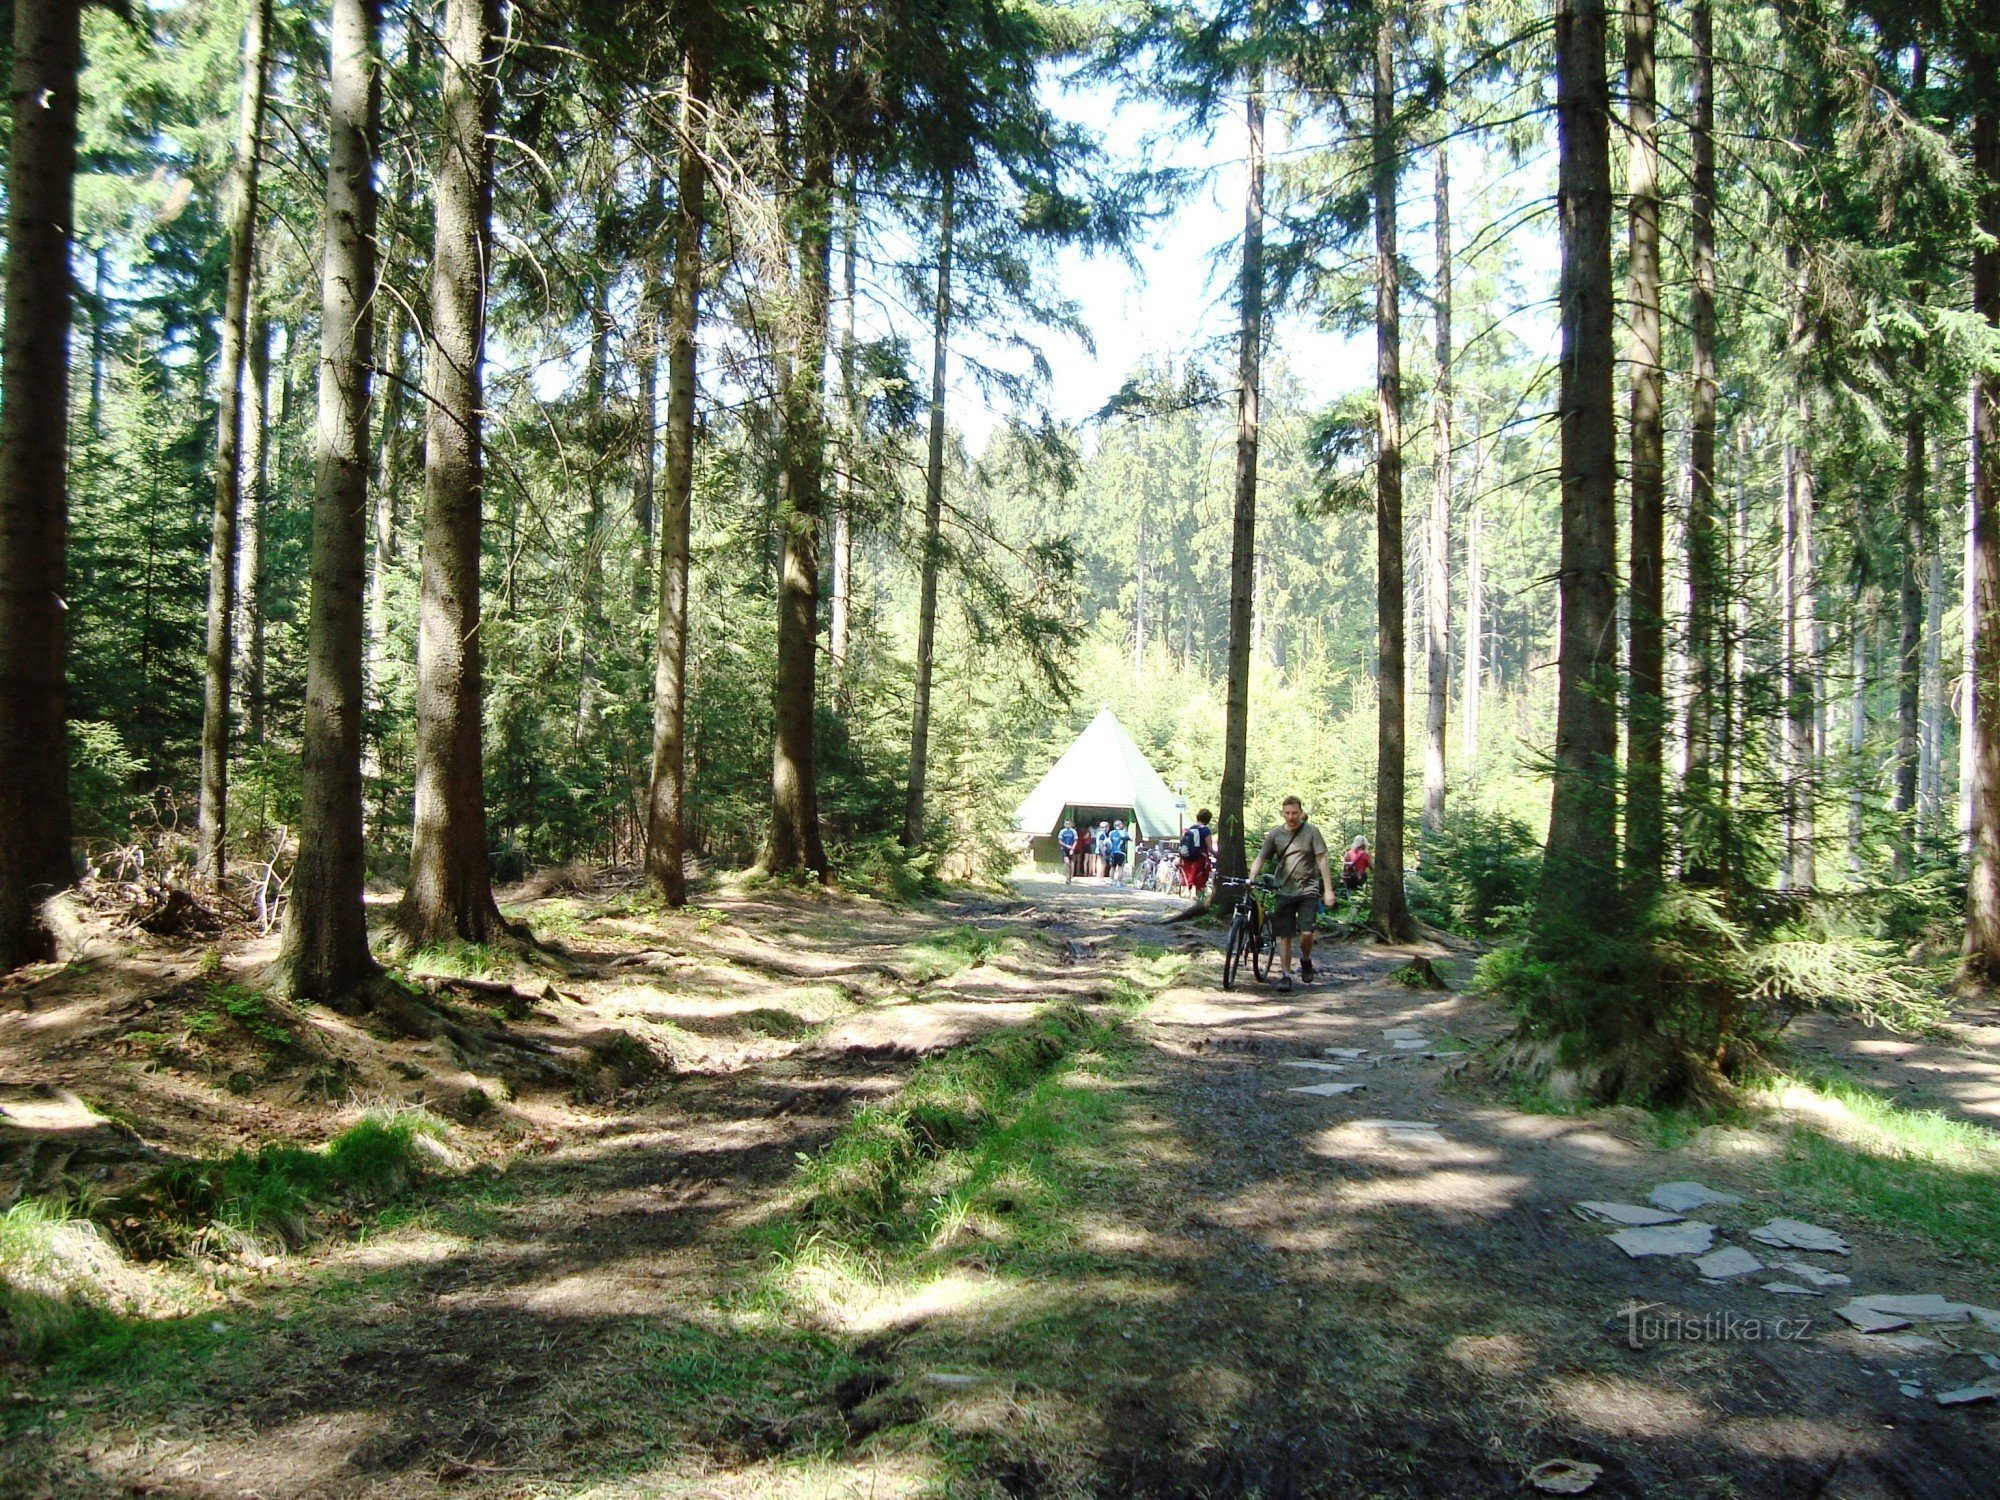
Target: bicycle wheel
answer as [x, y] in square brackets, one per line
[1232, 955]
[1263, 951]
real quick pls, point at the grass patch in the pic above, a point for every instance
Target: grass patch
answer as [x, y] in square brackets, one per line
[975, 1151]
[458, 960]
[277, 1189]
[952, 951]
[1852, 1151]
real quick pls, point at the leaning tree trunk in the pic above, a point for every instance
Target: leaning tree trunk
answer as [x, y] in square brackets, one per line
[1437, 529]
[1982, 924]
[35, 860]
[219, 655]
[1580, 864]
[1910, 645]
[250, 557]
[1391, 910]
[1231, 861]
[666, 803]
[920, 720]
[325, 954]
[450, 892]
[1705, 822]
[793, 845]
[1645, 835]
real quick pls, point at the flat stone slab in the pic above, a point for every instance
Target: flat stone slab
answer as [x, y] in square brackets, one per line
[1441, 1056]
[1402, 1033]
[1396, 1125]
[1868, 1320]
[1350, 1053]
[1789, 1289]
[1965, 1395]
[1412, 1043]
[1813, 1275]
[1691, 1237]
[1632, 1215]
[1313, 1063]
[1685, 1197]
[1729, 1261]
[1927, 1307]
[1328, 1090]
[1885, 1344]
[1794, 1234]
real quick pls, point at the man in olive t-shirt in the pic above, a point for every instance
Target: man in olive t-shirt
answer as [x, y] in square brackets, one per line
[1297, 853]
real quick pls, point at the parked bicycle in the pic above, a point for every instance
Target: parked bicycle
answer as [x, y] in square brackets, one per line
[1249, 928]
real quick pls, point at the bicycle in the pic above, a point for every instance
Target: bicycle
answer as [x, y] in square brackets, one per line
[1249, 930]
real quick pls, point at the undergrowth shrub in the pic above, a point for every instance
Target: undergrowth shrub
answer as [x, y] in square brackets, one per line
[881, 866]
[1479, 873]
[1663, 1007]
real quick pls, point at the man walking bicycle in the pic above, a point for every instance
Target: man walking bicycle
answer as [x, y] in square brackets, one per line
[1296, 851]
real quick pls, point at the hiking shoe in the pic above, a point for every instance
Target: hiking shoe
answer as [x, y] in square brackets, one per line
[1306, 971]
[1284, 984]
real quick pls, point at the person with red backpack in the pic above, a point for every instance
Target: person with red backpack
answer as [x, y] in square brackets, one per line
[1197, 854]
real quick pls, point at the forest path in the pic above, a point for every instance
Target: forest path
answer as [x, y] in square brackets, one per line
[1220, 1286]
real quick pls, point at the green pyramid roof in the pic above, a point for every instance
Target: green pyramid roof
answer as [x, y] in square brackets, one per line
[1103, 769]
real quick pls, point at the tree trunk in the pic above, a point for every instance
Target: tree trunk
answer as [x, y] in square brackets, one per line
[646, 416]
[666, 803]
[35, 860]
[1475, 624]
[839, 622]
[450, 891]
[1705, 819]
[388, 484]
[793, 845]
[590, 583]
[1581, 861]
[250, 559]
[1968, 702]
[920, 719]
[1437, 530]
[1645, 837]
[1910, 652]
[100, 340]
[1231, 858]
[325, 953]
[219, 654]
[1930, 777]
[1801, 663]
[1391, 913]
[1857, 727]
[1982, 925]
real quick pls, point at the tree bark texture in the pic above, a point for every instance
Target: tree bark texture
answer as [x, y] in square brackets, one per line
[1437, 529]
[920, 719]
[325, 954]
[1231, 857]
[793, 845]
[219, 652]
[1391, 913]
[1580, 864]
[1645, 835]
[646, 417]
[1704, 823]
[666, 803]
[1475, 623]
[35, 859]
[450, 891]
[1982, 925]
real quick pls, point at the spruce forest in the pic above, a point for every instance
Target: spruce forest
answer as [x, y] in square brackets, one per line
[549, 550]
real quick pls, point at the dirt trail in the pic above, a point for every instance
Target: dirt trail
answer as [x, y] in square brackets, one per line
[1265, 1295]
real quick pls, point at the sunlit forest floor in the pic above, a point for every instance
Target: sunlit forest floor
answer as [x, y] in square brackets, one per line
[789, 1194]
